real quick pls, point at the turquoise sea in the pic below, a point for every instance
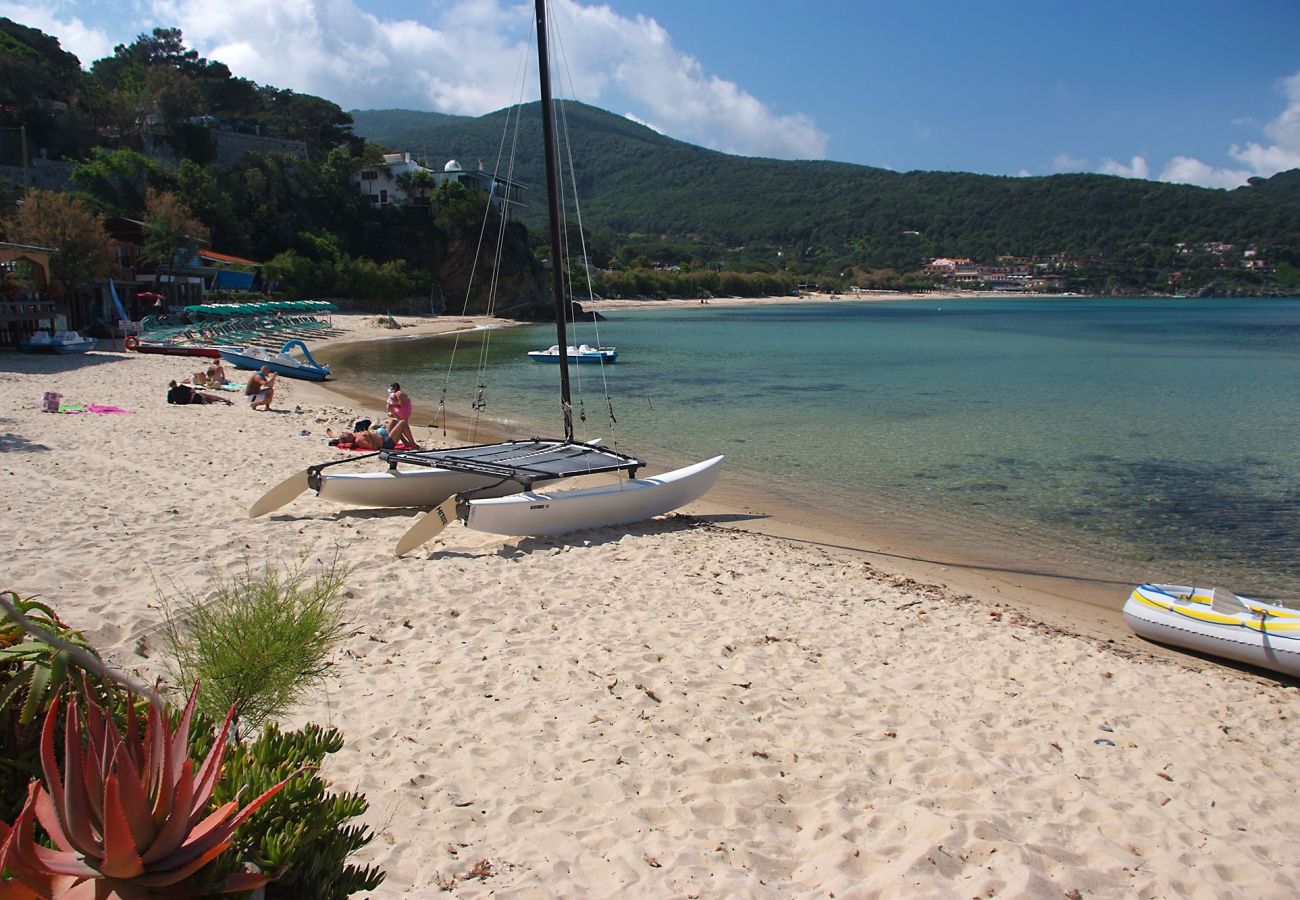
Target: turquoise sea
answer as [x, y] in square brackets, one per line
[1149, 439]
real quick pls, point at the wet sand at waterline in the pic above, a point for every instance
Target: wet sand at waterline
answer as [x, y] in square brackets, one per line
[682, 708]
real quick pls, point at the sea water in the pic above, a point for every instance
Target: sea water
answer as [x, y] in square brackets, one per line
[1159, 439]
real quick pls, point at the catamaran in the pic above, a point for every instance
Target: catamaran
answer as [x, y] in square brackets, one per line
[500, 487]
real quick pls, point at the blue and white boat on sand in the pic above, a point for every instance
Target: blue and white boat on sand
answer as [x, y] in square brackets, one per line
[583, 353]
[60, 342]
[282, 363]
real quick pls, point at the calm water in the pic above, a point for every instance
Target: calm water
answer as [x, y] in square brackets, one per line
[1158, 438]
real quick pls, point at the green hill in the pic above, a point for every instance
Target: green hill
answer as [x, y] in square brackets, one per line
[635, 182]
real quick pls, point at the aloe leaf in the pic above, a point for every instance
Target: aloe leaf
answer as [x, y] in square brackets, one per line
[121, 855]
[13, 685]
[134, 803]
[173, 830]
[210, 770]
[40, 682]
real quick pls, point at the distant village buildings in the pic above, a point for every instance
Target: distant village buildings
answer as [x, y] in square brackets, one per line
[400, 181]
[1048, 273]
[1009, 273]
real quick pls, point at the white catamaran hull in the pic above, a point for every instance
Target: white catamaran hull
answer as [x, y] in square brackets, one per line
[558, 512]
[408, 487]
[1259, 634]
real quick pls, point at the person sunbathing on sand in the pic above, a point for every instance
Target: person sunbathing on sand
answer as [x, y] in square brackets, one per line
[379, 439]
[182, 394]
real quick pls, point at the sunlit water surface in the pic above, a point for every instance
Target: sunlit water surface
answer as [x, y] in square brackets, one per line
[1157, 438]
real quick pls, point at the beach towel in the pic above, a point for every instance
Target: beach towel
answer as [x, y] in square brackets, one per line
[225, 386]
[77, 408]
[356, 449]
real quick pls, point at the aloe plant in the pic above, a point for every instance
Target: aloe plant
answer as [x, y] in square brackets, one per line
[30, 667]
[129, 812]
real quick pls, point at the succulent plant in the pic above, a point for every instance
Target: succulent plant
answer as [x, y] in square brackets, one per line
[128, 814]
[29, 667]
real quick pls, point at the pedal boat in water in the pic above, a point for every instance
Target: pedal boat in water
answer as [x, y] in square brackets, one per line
[1218, 623]
[583, 353]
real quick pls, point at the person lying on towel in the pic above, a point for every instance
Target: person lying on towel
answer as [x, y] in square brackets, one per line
[378, 439]
[182, 394]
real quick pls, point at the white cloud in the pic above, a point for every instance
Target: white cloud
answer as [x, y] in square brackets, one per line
[58, 19]
[1189, 170]
[1256, 159]
[469, 57]
[1064, 162]
[1138, 168]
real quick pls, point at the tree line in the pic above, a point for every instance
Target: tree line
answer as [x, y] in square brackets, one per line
[663, 217]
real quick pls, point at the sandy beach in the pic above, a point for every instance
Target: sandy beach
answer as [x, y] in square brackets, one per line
[684, 708]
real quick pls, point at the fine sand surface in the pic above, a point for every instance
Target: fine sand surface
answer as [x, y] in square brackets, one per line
[678, 709]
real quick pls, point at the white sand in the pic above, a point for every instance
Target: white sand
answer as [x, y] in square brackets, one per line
[677, 710]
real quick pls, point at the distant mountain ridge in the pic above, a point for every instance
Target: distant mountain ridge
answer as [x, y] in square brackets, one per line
[635, 181]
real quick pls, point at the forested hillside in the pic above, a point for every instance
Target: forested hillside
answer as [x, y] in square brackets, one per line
[634, 181]
[140, 130]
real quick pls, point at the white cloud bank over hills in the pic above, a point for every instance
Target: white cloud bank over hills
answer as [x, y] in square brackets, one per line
[471, 57]
[1256, 159]
[466, 58]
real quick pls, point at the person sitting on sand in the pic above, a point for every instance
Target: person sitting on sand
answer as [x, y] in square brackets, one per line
[260, 389]
[378, 439]
[216, 374]
[182, 394]
[399, 413]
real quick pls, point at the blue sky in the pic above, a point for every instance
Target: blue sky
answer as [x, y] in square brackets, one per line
[1195, 92]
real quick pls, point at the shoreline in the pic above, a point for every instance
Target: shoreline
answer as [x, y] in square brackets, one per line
[1062, 597]
[680, 708]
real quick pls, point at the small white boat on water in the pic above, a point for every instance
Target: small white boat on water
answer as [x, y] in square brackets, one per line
[583, 353]
[1219, 623]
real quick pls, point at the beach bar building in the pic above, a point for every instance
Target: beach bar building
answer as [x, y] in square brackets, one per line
[180, 284]
[25, 304]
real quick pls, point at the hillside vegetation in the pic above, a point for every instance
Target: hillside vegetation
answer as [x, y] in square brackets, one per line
[637, 183]
[661, 217]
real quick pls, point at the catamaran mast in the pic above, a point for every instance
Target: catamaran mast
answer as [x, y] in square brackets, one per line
[553, 204]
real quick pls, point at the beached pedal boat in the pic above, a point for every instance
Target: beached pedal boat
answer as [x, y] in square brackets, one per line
[282, 363]
[61, 342]
[1219, 623]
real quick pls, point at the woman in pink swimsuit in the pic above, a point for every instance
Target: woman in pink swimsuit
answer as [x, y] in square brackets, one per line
[399, 415]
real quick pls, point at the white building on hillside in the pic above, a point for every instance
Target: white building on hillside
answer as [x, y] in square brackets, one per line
[400, 180]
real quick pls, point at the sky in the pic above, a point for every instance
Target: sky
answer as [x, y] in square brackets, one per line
[1194, 92]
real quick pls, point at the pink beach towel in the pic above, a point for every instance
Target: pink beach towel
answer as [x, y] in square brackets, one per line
[76, 408]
